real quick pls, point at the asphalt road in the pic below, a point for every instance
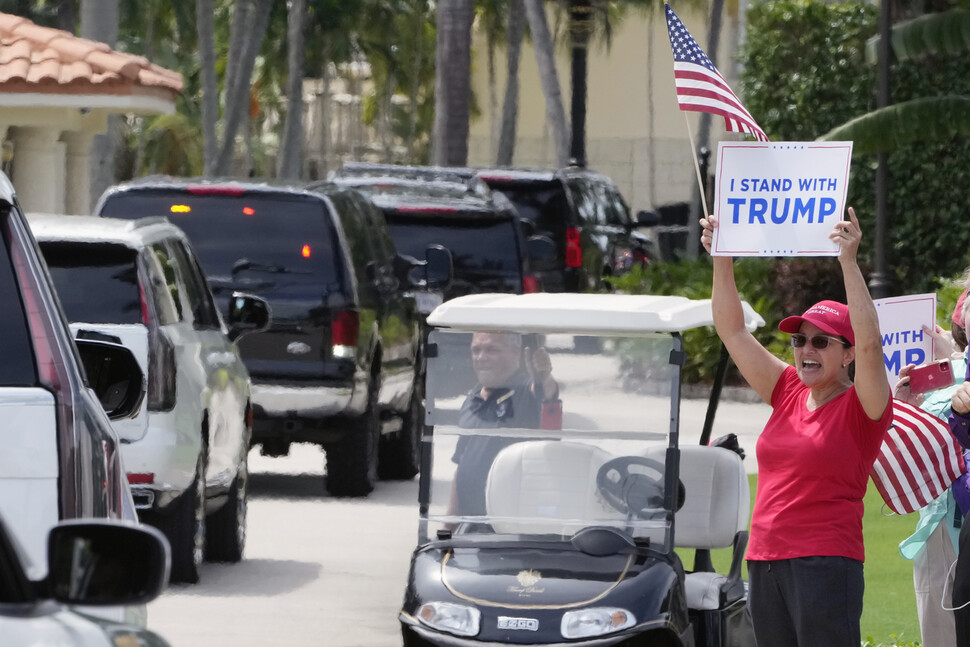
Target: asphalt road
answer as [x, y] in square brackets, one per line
[327, 571]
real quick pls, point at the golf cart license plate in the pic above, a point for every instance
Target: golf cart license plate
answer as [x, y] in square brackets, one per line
[518, 624]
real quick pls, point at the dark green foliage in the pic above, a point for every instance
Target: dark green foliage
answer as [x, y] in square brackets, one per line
[805, 73]
[804, 69]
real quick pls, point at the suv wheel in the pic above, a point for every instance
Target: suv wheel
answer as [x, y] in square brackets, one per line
[185, 526]
[400, 454]
[352, 461]
[227, 525]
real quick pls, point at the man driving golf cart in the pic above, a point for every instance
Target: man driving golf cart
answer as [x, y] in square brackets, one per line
[515, 389]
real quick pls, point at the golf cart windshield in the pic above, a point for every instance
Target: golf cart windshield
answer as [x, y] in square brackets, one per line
[512, 459]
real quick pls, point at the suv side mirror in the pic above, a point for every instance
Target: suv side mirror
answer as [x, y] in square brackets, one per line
[433, 273]
[648, 219]
[106, 563]
[541, 248]
[438, 268]
[114, 375]
[247, 314]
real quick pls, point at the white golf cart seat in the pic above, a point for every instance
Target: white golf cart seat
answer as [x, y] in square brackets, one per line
[714, 515]
[547, 479]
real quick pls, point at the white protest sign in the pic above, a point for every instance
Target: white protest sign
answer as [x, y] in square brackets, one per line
[901, 321]
[779, 198]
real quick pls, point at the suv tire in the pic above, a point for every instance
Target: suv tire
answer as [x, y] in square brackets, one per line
[227, 525]
[400, 454]
[352, 461]
[184, 525]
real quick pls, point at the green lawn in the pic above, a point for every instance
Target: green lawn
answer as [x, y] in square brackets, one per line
[890, 603]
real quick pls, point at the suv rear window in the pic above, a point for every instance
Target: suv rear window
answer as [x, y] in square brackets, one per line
[543, 203]
[95, 282]
[269, 236]
[485, 252]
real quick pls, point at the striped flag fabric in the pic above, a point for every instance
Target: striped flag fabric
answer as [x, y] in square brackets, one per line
[919, 459]
[700, 87]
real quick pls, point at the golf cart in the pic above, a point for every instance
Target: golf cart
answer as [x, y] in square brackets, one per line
[574, 543]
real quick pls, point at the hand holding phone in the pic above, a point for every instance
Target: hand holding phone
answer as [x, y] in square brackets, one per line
[930, 377]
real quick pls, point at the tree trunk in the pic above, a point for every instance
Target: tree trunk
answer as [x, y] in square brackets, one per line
[387, 117]
[510, 105]
[493, 116]
[414, 87]
[548, 77]
[237, 96]
[99, 21]
[326, 138]
[241, 12]
[290, 162]
[205, 28]
[713, 42]
[452, 82]
[704, 128]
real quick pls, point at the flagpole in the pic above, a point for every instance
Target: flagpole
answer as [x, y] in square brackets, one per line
[697, 167]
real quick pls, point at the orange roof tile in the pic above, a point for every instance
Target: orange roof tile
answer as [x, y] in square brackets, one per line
[41, 59]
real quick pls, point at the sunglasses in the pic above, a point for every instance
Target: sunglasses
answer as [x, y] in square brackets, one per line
[819, 342]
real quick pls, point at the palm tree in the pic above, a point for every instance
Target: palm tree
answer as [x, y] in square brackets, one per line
[510, 105]
[452, 82]
[99, 21]
[549, 78]
[210, 83]
[245, 41]
[290, 161]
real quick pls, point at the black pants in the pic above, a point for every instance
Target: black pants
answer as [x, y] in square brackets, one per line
[806, 602]
[961, 587]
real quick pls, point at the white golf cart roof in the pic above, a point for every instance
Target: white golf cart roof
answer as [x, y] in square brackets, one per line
[592, 314]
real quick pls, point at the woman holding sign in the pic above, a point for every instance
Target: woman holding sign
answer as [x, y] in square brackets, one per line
[814, 456]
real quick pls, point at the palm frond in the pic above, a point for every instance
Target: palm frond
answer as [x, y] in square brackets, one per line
[929, 119]
[945, 33]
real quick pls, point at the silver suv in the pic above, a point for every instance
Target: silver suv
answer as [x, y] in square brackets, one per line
[60, 457]
[138, 283]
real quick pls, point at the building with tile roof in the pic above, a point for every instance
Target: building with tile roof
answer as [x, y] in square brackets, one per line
[56, 92]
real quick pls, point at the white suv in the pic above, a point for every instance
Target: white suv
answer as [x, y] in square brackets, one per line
[60, 458]
[139, 284]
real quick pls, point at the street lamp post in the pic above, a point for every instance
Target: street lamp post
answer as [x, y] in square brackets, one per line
[580, 26]
[880, 283]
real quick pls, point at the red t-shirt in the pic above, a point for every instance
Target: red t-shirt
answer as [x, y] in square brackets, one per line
[813, 468]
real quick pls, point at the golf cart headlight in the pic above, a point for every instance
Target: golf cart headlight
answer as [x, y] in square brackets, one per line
[453, 618]
[595, 622]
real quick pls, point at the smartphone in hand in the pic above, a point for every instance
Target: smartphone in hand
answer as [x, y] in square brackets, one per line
[930, 377]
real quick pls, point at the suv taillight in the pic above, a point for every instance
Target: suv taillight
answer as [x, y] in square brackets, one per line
[344, 332]
[574, 253]
[530, 284]
[161, 371]
[161, 363]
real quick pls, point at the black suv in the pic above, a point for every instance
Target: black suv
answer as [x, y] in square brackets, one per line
[339, 365]
[482, 231]
[587, 219]
[581, 211]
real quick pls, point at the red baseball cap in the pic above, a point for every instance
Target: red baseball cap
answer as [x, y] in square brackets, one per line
[958, 310]
[829, 316]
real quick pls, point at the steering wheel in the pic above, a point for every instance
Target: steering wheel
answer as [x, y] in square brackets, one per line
[626, 485]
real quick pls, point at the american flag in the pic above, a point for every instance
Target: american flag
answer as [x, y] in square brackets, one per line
[700, 87]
